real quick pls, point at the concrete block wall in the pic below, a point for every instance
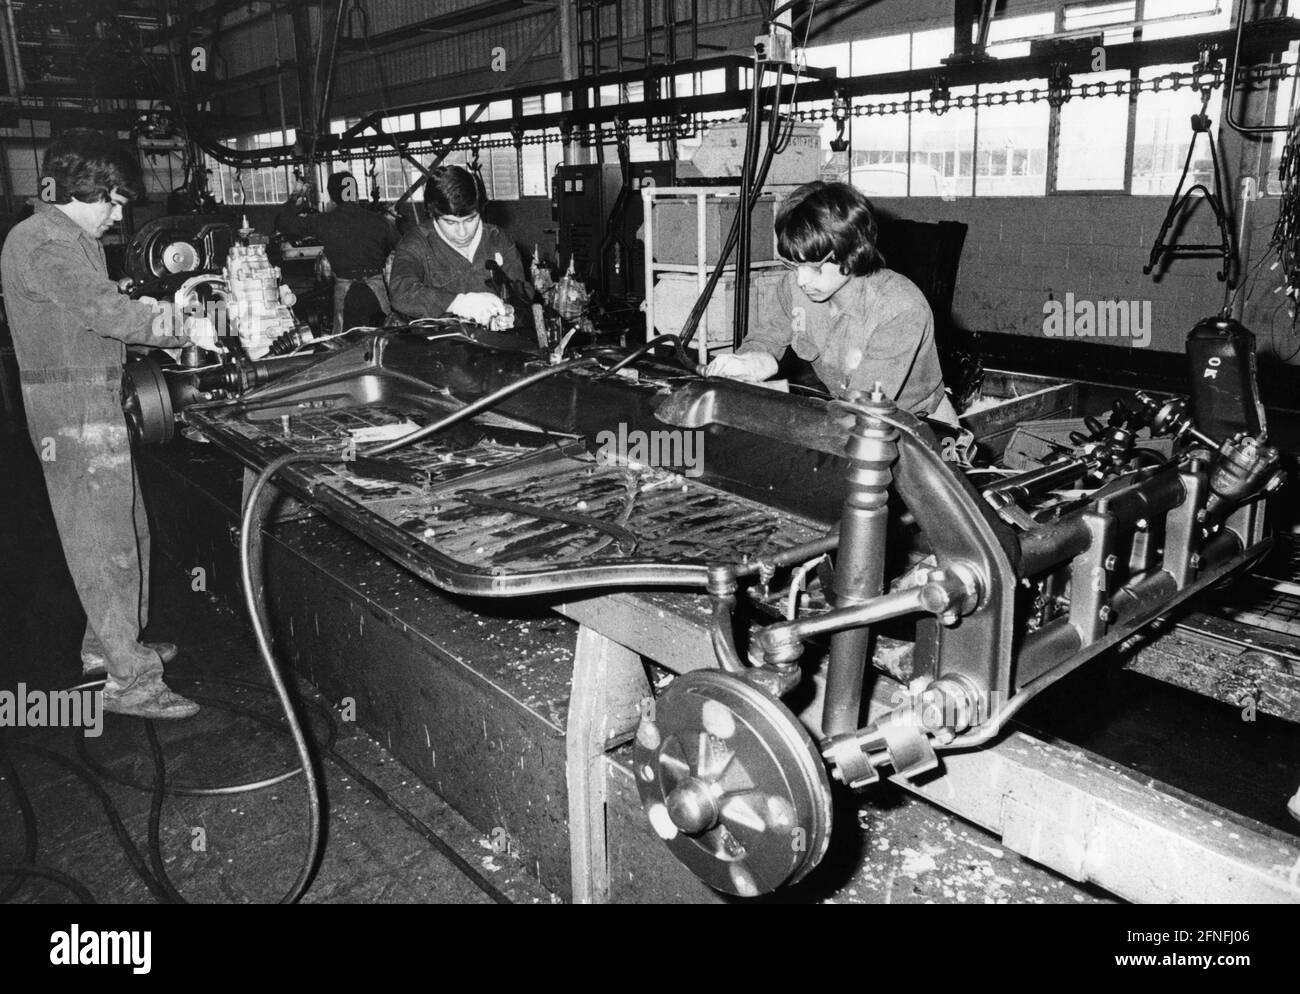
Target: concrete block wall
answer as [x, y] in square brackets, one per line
[1021, 252]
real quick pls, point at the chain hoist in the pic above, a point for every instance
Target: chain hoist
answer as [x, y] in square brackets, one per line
[1059, 85]
[840, 115]
[940, 96]
[372, 173]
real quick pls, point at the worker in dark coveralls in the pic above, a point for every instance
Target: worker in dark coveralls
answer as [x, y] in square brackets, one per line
[356, 239]
[70, 330]
[441, 268]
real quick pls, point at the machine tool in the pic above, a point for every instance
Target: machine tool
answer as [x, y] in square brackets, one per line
[969, 588]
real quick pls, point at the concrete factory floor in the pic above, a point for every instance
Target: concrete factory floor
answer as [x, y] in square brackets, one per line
[249, 846]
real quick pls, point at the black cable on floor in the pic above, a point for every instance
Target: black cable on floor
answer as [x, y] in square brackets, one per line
[157, 796]
[159, 789]
[250, 553]
[124, 839]
[25, 809]
[24, 870]
[408, 816]
[187, 790]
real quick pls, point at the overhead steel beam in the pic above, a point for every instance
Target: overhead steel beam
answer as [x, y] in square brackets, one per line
[1270, 39]
[302, 63]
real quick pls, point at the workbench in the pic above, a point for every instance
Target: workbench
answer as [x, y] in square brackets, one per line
[517, 713]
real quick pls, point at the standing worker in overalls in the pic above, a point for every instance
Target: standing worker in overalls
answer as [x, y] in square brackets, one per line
[70, 330]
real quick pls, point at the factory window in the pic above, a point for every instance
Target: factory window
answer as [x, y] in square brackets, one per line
[1115, 143]
[445, 118]
[393, 177]
[1018, 133]
[1162, 135]
[1114, 19]
[1010, 37]
[24, 162]
[639, 148]
[930, 48]
[1092, 138]
[701, 84]
[880, 152]
[1169, 18]
[1107, 143]
[876, 55]
[163, 170]
[399, 123]
[538, 162]
[500, 168]
[929, 155]
[935, 141]
[262, 185]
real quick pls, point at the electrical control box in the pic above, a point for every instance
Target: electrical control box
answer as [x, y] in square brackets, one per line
[598, 233]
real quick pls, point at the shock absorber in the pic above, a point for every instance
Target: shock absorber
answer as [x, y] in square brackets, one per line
[860, 563]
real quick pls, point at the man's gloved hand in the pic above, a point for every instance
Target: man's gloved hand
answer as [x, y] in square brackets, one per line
[164, 323]
[749, 366]
[200, 331]
[480, 308]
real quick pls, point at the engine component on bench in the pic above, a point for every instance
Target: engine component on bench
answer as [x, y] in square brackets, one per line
[260, 312]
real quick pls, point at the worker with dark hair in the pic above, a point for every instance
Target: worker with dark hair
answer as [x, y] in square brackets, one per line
[441, 268]
[857, 322]
[70, 330]
[357, 240]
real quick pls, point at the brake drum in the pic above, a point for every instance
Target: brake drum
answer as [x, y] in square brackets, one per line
[733, 784]
[147, 402]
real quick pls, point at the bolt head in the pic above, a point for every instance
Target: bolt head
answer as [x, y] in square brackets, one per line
[692, 806]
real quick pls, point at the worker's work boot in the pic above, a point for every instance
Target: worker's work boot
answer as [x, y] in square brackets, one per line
[93, 664]
[146, 697]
